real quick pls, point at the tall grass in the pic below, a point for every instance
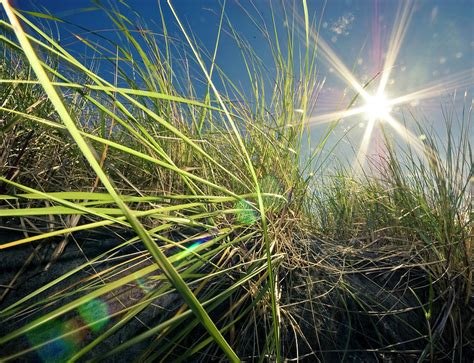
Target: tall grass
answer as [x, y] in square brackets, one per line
[218, 244]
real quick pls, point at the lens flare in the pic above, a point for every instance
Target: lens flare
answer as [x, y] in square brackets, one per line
[194, 243]
[198, 242]
[145, 284]
[95, 314]
[378, 107]
[245, 214]
[55, 344]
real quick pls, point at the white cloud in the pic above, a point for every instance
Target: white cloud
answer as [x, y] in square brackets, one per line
[342, 25]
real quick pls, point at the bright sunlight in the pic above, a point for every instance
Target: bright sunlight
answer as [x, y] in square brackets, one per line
[377, 107]
[236, 181]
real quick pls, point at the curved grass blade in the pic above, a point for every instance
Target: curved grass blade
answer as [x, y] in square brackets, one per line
[161, 260]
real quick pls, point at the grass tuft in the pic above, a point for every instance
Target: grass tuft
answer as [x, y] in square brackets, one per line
[170, 215]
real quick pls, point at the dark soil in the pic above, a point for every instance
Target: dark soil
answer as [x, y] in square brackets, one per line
[374, 313]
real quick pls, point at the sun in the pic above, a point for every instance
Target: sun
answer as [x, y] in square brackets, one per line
[377, 107]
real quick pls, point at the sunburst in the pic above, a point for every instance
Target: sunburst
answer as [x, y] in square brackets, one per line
[377, 106]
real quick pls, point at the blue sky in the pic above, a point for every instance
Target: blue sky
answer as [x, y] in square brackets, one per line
[437, 49]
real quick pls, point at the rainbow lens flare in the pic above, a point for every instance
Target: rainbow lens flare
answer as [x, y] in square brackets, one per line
[95, 314]
[145, 284]
[55, 345]
[246, 214]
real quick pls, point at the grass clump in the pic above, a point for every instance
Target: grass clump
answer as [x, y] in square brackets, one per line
[169, 223]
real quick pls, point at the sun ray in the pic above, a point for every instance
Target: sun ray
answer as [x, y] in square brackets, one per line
[458, 80]
[363, 147]
[399, 30]
[338, 65]
[377, 106]
[333, 116]
[405, 133]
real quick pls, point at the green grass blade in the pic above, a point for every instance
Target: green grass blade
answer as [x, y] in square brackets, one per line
[157, 254]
